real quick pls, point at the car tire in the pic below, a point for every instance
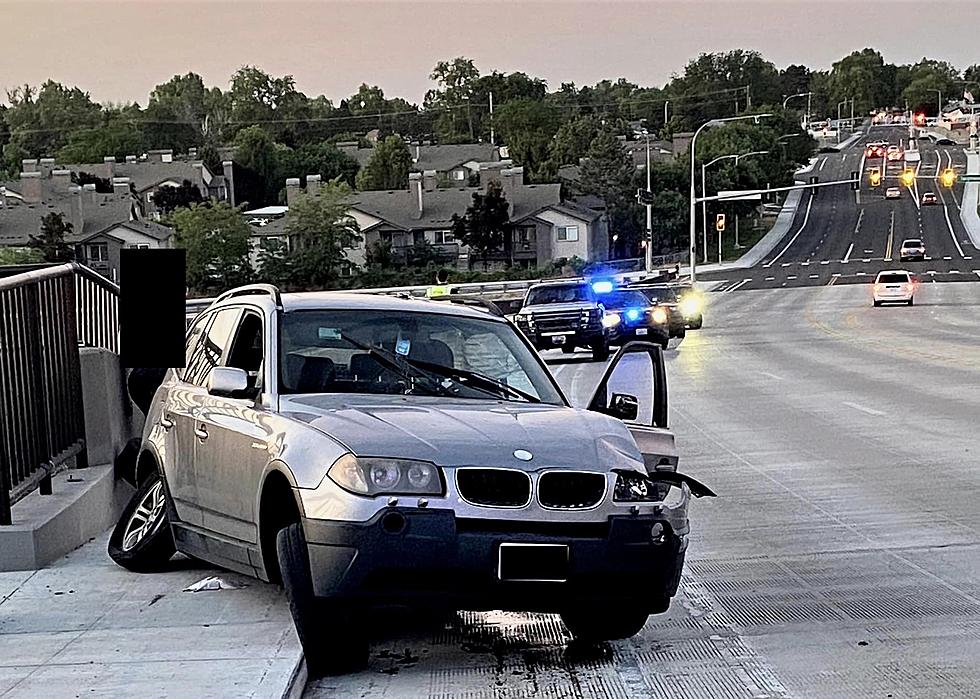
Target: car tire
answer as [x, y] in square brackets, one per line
[877, 304]
[682, 333]
[142, 540]
[911, 302]
[331, 642]
[665, 344]
[595, 625]
[600, 350]
[567, 349]
[696, 324]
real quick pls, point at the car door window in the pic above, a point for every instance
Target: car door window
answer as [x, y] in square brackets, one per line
[207, 353]
[246, 349]
[193, 336]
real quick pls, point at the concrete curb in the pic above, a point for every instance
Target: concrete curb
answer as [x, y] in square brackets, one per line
[971, 198]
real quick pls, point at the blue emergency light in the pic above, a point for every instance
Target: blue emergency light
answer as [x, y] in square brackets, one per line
[602, 287]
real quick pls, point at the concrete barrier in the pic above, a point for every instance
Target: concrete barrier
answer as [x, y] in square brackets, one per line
[971, 199]
[108, 412]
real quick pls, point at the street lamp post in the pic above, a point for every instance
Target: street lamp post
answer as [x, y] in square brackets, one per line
[666, 103]
[692, 211]
[704, 205]
[648, 252]
[939, 99]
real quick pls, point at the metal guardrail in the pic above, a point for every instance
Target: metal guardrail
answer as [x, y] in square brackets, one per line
[42, 422]
[195, 306]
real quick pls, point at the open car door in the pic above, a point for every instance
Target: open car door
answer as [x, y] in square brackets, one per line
[634, 389]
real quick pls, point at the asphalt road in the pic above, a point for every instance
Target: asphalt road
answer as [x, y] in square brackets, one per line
[842, 556]
[844, 237]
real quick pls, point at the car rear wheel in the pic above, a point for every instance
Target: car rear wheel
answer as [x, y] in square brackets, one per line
[331, 640]
[567, 349]
[600, 350]
[142, 540]
[594, 625]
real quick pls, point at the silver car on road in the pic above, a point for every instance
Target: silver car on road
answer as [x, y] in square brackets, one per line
[367, 450]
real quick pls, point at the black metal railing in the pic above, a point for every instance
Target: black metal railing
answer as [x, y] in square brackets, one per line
[45, 315]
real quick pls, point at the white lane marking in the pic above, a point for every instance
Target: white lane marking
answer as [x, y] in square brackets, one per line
[891, 238]
[947, 257]
[805, 264]
[915, 185]
[770, 279]
[949, 225]
[814, 276]
[866, 259]
[822, 163]
[736, 286]
[847, 257]
[772, 376]
[863, 409]
[931, 272]
[792, 240]
[785, 264]
[791, 276]
[953, 271]
[860, 274]
[825, 262]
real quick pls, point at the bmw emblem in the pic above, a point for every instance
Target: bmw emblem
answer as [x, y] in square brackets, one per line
[523, 455]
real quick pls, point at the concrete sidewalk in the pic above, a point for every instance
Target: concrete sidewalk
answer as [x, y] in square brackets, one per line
[85, 626]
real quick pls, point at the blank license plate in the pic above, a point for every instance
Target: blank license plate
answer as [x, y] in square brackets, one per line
[558, 339]
[533, 562]
[641, 331]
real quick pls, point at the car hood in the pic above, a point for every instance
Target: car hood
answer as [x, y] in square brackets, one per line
[557, 307]
[457, 432]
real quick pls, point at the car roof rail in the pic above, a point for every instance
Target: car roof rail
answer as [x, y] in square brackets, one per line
[483, 304]
[253, 290]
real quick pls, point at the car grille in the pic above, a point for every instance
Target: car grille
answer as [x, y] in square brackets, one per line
[570, 490]
[494, 487]
[559, 320]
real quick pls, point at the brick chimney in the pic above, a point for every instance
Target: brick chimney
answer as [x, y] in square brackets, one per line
[293, 190]
[60, 180]
[45, 166]
[511, 178]
[89, 196]
[229, 170]
[120, 185]
[30, 185]
[430, 180]
[28, 165]
[312, 184]
[77, 207]
[108, 163]
[415, 191]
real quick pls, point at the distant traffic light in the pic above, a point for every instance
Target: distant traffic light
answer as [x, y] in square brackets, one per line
[908, 177]
[720, 223]
[949, 177]
[875, 178]
[920, 119]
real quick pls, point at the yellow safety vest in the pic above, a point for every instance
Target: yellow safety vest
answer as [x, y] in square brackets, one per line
[441, 290]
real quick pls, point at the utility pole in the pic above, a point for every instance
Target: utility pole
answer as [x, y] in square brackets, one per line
[648, 251]
[492, 142]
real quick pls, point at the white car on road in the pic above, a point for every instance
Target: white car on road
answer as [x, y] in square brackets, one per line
[894, 286]
[893, 193]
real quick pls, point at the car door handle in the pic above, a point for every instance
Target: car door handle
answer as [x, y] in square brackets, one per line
[166, 423]
[201, 432]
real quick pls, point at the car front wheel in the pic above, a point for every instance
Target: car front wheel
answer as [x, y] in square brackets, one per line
[142, 540]
[329, 634]
[594, 625]
[600, 350]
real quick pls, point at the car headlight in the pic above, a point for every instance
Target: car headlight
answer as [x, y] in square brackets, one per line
[659, 315]
[636, 488]
[690, 306]
[377, 476]
[610, 320]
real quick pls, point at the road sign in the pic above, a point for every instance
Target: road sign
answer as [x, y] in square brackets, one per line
[720, 223]
[740, 195]
[972, 177]
[644, 197]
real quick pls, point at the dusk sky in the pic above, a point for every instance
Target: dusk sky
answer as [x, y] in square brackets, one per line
[119, 50]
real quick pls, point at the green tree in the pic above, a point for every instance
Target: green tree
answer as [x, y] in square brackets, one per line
[255, 154]
[388, 167]
[41, 118]
[275, 266]
[486, 226]
[20, 256]
[118, 135]
[378, 254]
[321, 231]
[216, 239]
[176, 113]
[50, 240]
[168, 198]
[864, 77]
[919, 83]
[572, 140]
[323, 159]
[608, 173]
[528, 127]
[211, 158]
[452, 99]
[717, 85]
[102, 184]
[255, 97]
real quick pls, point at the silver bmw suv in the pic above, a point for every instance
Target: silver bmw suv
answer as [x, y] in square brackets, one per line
[368, 450]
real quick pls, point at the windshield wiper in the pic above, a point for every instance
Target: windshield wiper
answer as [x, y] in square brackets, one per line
[400, 365]
[476, 380]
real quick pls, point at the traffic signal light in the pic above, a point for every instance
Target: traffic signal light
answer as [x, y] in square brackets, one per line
[920, 119]
[908, 177]
[949, 177]
[875, 178]
[856, 182]
[813, 180]
[720, 222]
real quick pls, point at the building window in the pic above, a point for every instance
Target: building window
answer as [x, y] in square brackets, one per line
[418, 237]
[568, 233]
[459, 175]
[345, 269]
[141, 246]
[444, 237]
[97, 252]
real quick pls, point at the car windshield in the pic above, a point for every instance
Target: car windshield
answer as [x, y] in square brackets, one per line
[893, 279]
[625, 299]
[373, 351]
[565, 293]
[660, 295]
[911, 243]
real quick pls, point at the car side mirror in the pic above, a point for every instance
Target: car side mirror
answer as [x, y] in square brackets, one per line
[624, 406]
[227, 381]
